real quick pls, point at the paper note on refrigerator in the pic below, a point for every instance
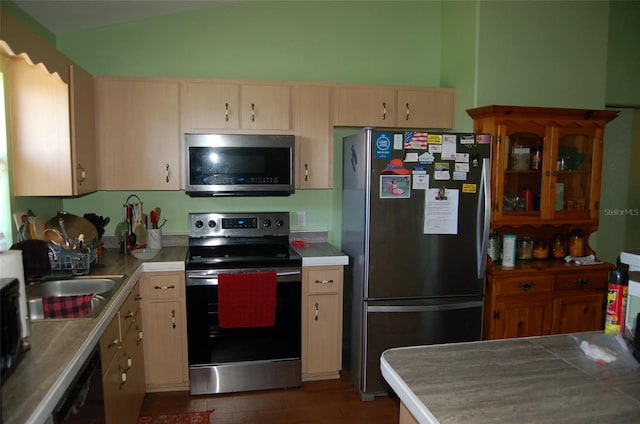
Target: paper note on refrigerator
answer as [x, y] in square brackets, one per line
[441, 211]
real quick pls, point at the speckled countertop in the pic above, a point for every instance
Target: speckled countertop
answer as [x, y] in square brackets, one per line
[530, 380]
[60, 347]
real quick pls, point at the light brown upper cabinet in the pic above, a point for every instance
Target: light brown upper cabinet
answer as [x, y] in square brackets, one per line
[138, 131]
[83, 131]
[208, 105]
[314, 149]
[365, 106]
[40, 133]
[215, 105]
[266, 107]
[394, 106]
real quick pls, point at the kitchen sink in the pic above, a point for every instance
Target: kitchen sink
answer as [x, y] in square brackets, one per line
[101, 287]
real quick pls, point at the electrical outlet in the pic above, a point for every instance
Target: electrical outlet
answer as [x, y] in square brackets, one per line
[302, 218]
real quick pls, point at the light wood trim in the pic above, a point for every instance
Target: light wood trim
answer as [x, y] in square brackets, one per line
[405, 416]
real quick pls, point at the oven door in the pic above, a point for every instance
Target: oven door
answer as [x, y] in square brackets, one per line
[223, 360]
[209, 344]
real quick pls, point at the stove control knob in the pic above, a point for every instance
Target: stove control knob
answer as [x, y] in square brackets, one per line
[198, 224]
[278, 223]
[212, 223]
[266, 223]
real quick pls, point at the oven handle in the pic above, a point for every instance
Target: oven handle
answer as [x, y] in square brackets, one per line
[195, 278]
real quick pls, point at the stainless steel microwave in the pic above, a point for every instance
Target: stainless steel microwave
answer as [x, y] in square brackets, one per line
[239, 165]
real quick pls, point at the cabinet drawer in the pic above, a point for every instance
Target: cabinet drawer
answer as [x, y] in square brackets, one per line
[161, 286]
[110, 343]
[524, 284]
[324, 280]
[582, 281]
[129, 309]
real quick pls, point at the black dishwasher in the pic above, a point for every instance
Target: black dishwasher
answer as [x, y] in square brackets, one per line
[83, 402]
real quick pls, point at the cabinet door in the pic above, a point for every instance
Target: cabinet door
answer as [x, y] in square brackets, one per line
[164, 331]
[322, 343]
[365, 106]
[576, 164]
[138, 134]
[578, 312]
[266, 107]
[522, 316]
[427, 108]
[315, 138]
[133, 365]
[210, 105]
[39, 111]
[514, 171]
[83, 131]
[115, 398]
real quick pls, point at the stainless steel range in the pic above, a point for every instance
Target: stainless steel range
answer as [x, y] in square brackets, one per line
[233, 349]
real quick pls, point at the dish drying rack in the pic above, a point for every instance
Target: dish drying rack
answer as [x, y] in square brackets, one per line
[77, 260]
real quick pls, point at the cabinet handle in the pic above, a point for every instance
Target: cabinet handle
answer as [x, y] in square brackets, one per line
[128, 315]
[526, 286]
[123, 377]
[166, 172]
[82, 174]
[583, 282]
[306, 172]
[408, 111]
[139, 335]
[384, 110]
[113, 343]
[138, 297]
[173, 318]
[317, 311]
[226, 112]
[164, 287]
[253, 112]
[324, 281]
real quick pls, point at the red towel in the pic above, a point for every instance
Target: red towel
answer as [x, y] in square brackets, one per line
[247, 299]
[67, 306]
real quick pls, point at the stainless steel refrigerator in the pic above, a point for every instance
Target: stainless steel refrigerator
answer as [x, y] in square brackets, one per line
[415, 222]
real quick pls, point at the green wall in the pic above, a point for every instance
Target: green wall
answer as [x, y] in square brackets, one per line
[377, 42]
[623, 54]
[548, 53]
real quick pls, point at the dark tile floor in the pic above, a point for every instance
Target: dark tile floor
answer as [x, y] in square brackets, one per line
[317, 402]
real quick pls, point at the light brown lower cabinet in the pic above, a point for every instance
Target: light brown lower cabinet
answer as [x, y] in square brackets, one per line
[123, 363]
[321, 322]
[165, 330]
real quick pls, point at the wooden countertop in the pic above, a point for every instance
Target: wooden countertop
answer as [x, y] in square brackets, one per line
[60, 347]
[526, 380]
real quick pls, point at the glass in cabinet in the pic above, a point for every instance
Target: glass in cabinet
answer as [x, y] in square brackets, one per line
[546, 163]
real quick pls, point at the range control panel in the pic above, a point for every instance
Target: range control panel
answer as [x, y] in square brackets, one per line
[238, 224]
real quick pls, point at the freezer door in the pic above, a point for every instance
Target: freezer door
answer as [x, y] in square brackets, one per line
[393, 324]
[403, 262]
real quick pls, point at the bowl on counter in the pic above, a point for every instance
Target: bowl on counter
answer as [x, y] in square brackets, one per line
[144, 253]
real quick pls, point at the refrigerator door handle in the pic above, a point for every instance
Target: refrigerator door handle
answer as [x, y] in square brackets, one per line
[425, 308]
[483, 218]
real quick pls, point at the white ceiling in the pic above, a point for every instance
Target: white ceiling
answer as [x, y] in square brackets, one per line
[64, 16]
